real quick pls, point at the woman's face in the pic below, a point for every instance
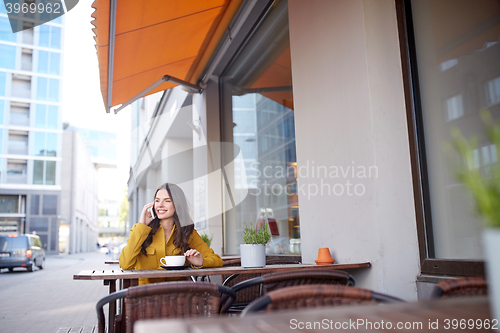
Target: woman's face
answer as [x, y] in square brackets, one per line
[164, 206]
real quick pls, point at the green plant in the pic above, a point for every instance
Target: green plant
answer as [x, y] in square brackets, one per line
[483, 184]
[250, 236]
[207, 239]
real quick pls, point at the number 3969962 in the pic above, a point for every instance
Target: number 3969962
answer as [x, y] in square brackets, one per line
[34, 8]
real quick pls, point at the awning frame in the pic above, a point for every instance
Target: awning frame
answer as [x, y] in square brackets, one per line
[111, 50]
[192, 88]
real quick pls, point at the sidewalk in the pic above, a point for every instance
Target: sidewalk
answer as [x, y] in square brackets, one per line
[45, 300]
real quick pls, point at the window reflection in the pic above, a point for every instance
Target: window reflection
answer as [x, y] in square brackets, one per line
[45, 144]
[457, 46]
[49, 36]
[47, 89]
[259, 118]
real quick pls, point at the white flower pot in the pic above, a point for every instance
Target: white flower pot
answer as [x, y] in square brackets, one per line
[253, 255]
[491, 241]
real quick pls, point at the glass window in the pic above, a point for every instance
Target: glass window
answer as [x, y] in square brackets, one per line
[47, 89]
[50, 36]
[55, 37]
[53, 90]
[48, 62]
[51, 144]
[39, 144]
[494, 91]
[40, 115]
[53, 117]
[41, 88]
[46, 116]
[457, 52]
[43, 62]
[454, 107]
[39, 224]
[2, 108]
[38, 172]
[259, 118]
[55, 62]
[50, 172]
[45, 144]
[8, 58]
[35, 204]
[2, 7]
[3, 83]
[9, 204]
[49, 205]
[6, 30]
[44, 35]
[1, 144]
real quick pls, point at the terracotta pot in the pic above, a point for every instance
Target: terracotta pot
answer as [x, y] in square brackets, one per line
[324, 257]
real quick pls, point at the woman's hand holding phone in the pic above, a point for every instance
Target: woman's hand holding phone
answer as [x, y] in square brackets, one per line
[147, 214]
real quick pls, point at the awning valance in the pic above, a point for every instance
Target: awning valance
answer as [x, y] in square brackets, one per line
[153, 39]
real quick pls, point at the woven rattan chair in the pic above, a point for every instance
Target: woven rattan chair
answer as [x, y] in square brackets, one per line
[274, 281]
[311, 296]
[467, 286]
[164, 300]
[249, 294]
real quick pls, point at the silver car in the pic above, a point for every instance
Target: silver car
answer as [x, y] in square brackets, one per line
[21, 251]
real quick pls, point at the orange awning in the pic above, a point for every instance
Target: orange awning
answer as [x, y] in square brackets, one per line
[279, 76]
[155, 38]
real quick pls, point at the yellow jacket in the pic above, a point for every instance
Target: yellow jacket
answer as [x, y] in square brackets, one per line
[131, 256]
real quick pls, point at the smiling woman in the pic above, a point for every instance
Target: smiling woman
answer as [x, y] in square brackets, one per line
[166, 229]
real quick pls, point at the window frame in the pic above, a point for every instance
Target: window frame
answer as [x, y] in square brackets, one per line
[421, 193]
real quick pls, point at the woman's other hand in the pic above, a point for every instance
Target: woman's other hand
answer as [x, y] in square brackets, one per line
[146, 215]
[194, 257]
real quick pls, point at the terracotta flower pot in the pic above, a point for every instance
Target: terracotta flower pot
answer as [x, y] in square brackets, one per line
[324, 257]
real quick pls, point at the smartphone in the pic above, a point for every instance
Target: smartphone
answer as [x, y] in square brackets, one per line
[152, 212]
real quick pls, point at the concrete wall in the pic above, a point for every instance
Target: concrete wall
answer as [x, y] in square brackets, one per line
[350, 113]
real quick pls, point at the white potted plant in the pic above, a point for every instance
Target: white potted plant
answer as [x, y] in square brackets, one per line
[484, 187]
[253, 252]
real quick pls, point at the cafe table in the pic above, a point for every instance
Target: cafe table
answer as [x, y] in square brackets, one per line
[130, 277]
[470, 314]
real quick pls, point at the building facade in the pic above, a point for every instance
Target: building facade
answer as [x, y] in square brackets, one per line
[329, 117]
[31, 129]
[79, 198]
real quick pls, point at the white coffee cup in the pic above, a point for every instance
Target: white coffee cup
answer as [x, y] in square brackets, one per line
[173, 260]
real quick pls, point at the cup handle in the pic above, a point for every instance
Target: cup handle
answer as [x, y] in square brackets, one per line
[163, 261]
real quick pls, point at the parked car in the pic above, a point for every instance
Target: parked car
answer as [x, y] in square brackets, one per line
[21, 251]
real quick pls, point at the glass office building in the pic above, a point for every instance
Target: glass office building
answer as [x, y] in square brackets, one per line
[30, 128]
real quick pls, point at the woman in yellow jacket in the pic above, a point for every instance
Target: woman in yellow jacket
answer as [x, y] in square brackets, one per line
[166, 229]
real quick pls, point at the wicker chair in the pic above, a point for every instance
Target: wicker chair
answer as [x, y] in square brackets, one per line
[467, 286]
[311, 296]
[269, 282]
[164, 300]
[245, 297]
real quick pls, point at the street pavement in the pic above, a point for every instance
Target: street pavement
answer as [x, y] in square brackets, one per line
[45, 300]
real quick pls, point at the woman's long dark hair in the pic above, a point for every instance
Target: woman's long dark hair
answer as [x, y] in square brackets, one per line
[183, 229]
